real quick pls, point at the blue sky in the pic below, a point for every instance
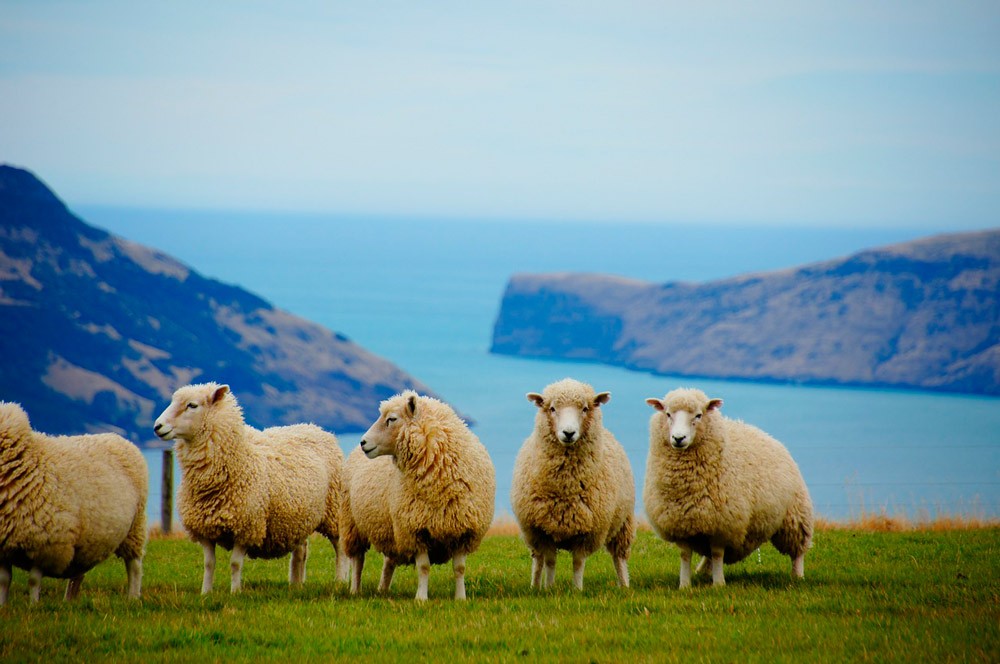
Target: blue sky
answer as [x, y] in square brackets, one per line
[818, 113]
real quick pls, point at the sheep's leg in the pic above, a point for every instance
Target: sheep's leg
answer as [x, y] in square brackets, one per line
[718, 578]
[458, 564]
[297, 566]
[209, 550]
[423, 574]
[5, 574]
[550, 568]
[799, 566]
[703, 566]
[357, 566]
[621, 569]
[536, 569]
[579, 561]
[133, 568]
[343, 563]
[388, 569]
[73, 587]
[35, 584]
[685, 566]
[236, 568]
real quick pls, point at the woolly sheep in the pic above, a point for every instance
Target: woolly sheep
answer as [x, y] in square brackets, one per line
[721, 487]
[438, 491]
[67, 503]
[257, 493]
[573, 486]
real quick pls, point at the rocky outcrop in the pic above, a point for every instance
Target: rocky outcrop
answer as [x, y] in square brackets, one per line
[922, 314]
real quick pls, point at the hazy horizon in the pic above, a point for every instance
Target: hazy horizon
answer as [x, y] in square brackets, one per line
[828, 114]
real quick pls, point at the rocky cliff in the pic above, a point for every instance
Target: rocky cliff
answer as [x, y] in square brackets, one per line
[96, 332]
[923, 314]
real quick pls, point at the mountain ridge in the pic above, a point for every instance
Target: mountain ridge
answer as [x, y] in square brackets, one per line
[918, 315]
[96, 332]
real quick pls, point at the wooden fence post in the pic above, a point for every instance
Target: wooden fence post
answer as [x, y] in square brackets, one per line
[167, 492]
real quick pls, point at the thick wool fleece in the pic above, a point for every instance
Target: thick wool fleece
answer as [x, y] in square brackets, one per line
[264, 490]
[68, 502]
[445, 489]
[734, 486]
[576, 497]
[442, 485]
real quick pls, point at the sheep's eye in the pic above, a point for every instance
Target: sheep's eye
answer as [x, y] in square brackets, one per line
[389, 420]
[192, 406]
[586, 409]
[697, 417]
[669, 416]
[552, 409]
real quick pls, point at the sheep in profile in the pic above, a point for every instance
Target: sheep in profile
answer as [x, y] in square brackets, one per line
[67, 503]
[438, 491]
[257, 493]
[573, 486]
[720, 487]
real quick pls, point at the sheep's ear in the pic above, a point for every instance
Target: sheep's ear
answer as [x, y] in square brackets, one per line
[714, 404]
[656, 403]
[535, 398]
[411, 405]
[603, 397]
[220, 392]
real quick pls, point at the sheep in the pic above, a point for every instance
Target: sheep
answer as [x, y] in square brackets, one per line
[438, 491]
[67, 503]
[257, 493]
[365, 518]
[721, 487]
[573, 487]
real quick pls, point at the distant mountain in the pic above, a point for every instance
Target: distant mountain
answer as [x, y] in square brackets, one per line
[923, 314]
[96, 332]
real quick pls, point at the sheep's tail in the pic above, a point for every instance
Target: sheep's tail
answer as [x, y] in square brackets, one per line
[620, 544]
[14, 424]
[794, 537]
[134, 545]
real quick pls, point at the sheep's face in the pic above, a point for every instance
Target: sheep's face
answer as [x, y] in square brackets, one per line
[568, 416]
[683, 421]
[381, 437]
[183, 419]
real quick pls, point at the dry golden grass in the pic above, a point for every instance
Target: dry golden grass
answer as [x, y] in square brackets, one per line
[884, 523]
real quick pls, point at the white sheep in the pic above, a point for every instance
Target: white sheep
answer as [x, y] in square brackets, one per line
[573, 486]
[720, 487]
[67, 503]
[257, 493]
[437, 492]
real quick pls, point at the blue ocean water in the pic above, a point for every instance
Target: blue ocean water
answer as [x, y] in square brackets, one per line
[425, 293]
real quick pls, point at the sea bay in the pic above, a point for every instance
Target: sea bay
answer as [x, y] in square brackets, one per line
[424, 293]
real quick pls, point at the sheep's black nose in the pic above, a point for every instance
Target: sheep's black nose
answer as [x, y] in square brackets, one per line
[679, 439]
[362, 442]
[158, 427]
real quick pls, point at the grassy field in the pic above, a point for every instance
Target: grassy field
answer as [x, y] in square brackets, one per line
[882, 596]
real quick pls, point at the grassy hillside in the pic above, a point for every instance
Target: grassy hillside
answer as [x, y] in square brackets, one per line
[886, 596]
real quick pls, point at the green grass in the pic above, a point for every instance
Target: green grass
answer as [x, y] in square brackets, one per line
[909, 596]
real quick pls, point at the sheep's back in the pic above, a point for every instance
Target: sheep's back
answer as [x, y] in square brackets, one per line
[763, 469]
[298, 462]
[96, 487]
